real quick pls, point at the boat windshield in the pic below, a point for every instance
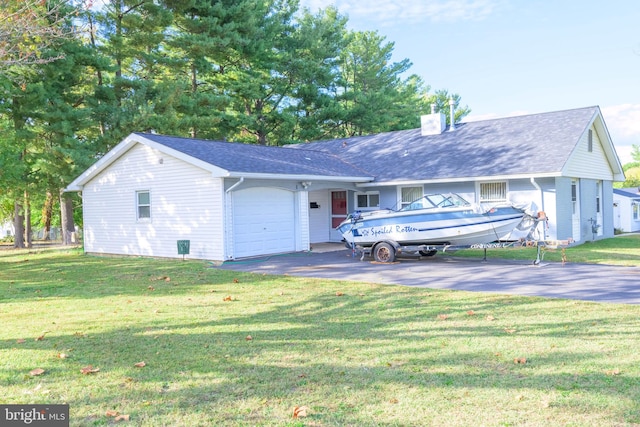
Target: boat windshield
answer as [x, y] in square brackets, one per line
[431, 201]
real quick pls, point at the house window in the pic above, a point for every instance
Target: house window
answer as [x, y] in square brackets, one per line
[143, 205]
[635, 207]
[493, 191]
[598, 196]
[369, 200]
[590, 141]
[410, 194]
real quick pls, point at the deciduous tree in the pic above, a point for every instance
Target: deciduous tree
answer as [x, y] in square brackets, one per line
[27, 27]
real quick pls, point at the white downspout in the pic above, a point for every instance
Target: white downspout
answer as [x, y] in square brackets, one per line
[228, 215]
[230, 189]
[537, 186]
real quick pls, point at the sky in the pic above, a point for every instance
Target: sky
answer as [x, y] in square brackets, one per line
[514, 57]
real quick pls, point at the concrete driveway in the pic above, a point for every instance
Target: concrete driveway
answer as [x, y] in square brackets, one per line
[573, 281]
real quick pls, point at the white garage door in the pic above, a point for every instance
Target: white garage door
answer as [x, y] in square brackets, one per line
[263, 221]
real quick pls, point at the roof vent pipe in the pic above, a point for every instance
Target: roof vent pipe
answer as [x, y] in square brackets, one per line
[451, 112]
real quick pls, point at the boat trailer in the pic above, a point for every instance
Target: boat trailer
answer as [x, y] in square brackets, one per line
[386, 251]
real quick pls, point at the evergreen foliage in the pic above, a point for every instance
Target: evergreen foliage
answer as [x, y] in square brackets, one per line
[264, 72]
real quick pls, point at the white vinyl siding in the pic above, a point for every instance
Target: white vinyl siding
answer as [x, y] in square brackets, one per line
[319, 216]
[186, 204]
[585, 163]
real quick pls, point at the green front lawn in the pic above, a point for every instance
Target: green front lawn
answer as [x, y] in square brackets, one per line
[621, 250]
[228, 348]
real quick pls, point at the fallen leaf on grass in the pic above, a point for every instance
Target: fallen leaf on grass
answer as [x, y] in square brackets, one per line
[140, 364]
[520, 360]
[490, 318]
[613, 372]
[41, 337]
[509, 331]
[248, 338]
[36, 372]
[227, 298]
[339, 294]
[236, 281]
[21, 341]
[394, 400]
[117, 416]
[300, 411]
[443, 316]
[62, 355]
[471, 313]
[89, 370]
[151, 288]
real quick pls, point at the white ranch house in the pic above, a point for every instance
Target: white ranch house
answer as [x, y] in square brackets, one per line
[237, 200]
[626, 209]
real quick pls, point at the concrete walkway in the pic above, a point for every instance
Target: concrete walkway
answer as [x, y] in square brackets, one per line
[573, 281]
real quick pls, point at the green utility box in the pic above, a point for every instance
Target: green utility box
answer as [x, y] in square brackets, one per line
[183, 247]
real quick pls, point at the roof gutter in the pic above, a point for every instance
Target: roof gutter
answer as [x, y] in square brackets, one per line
[230, 189]
[298, 177]
[461, 179]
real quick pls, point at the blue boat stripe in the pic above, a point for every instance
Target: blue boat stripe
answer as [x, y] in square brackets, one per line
[428, 217]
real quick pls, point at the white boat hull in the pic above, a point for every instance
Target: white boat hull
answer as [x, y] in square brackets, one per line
[458, 226]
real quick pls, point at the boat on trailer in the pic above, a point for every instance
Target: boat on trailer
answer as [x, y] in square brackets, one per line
[434, 221]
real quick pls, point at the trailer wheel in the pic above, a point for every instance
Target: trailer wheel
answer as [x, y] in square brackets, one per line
[432, 252]
[384, 252]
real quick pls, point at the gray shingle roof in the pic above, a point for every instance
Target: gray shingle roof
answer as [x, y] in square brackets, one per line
[248, 158]
[627, 192]
[529, 144]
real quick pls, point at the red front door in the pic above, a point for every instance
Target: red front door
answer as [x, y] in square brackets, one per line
[338, 207]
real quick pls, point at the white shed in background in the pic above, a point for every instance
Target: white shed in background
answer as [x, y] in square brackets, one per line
[626, 209]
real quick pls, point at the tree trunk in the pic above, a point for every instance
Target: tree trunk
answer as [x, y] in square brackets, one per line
[47, 212]
[27, 220]
[194, 90]
[66, 218]
[18, 226]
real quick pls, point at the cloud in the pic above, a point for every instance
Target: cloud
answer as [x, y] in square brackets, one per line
[412, 11]
[623, 122]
